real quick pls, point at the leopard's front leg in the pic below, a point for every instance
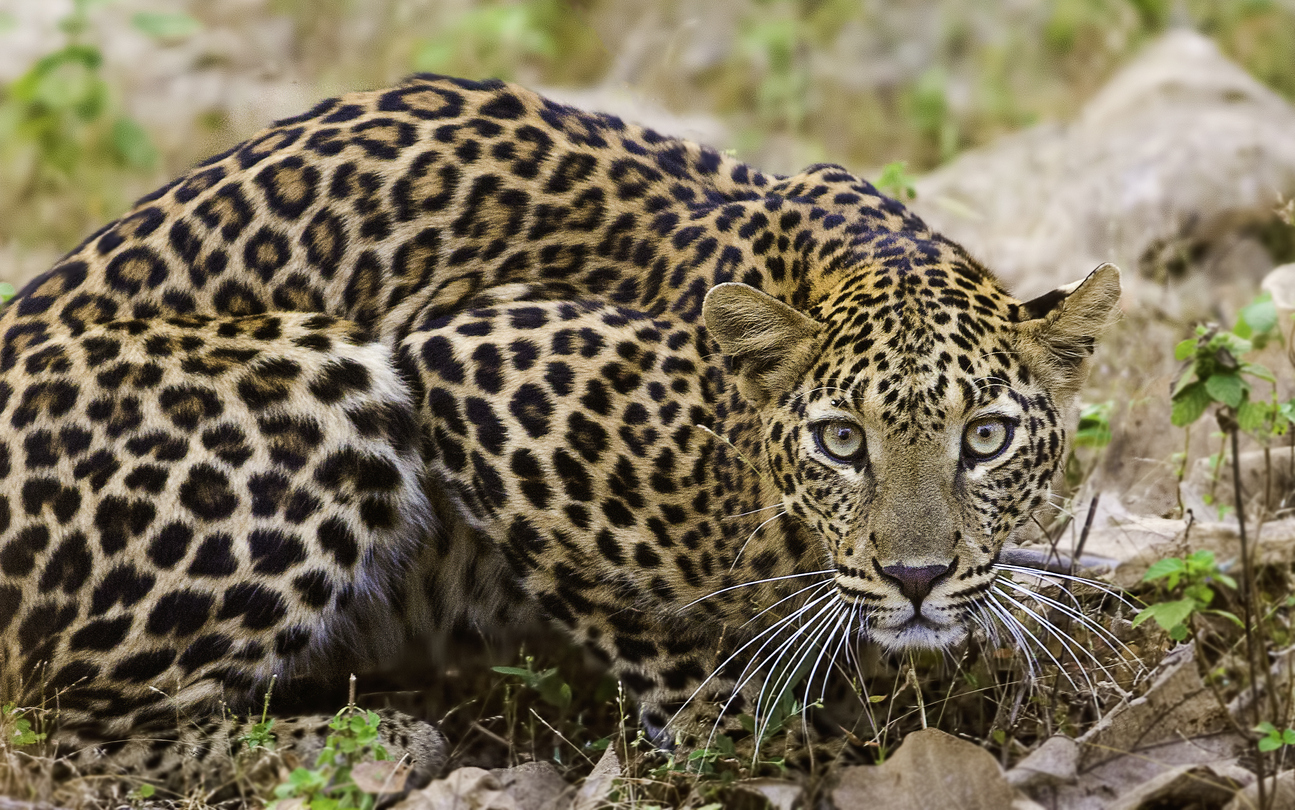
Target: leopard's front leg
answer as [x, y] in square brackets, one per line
[604, 455]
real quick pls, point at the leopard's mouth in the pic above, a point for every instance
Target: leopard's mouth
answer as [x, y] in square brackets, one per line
[917, 632]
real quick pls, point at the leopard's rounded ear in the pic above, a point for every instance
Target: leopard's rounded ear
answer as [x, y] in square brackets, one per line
[769, 343]
[1061, 327]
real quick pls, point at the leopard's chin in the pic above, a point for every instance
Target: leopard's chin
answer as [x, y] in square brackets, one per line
[918, 633]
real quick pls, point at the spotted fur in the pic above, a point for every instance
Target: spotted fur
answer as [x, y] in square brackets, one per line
[451, 354]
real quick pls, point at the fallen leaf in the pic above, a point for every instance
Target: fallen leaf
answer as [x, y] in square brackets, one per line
[930, 769]
[598, 786]
[388, 776]
[464, 789]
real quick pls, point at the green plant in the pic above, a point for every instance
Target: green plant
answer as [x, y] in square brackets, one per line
[1091, 437]
[1216, 373]
[496, 39]
[140, 795]
[65, 134]
[16, 728]
[1198, 574]
[550, 686]
[1274, 738]
[261, 734]
[63, 107]
[351, 771]
[896, 181]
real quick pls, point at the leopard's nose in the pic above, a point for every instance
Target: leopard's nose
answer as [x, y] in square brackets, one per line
[915, 582]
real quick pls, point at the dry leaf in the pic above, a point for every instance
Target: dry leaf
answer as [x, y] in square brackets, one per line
[930, 769]
[380, 777]
[596, 790]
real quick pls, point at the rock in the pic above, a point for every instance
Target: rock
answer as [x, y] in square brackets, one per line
[1181, 148]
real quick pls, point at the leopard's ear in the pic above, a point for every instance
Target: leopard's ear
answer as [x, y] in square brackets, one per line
[768, 342]
[1061, 327]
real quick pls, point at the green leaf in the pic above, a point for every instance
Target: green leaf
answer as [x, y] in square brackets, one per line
[1260, 371]
[1288, 736]
[1251, 416]
[132, 144]
[7, 291]
[1189, 403]
[1169, 615]
[164, 25]
[1267, 744]
[1261, 316]
[1227, 388]
[1163, 568]
[1185, 349]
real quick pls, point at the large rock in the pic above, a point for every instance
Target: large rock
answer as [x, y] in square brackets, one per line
[1181, 154]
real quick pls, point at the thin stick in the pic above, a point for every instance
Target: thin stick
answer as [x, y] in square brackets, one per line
[1247, 604]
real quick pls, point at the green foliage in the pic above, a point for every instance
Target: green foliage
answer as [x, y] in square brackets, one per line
[1274, 738]
[16, 728]
[64, 131]
[1215, 372]
[165, 26]
[261, 734]
[1094, 425]
[774, 47]
[63, 107]
[141, 794]
[7, 291]
[896, 182]
[494, 39]
[340, 780]
[552, 689]
[1198, 575]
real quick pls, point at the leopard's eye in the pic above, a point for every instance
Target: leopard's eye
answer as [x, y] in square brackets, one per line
[841, 440]
[986, 437]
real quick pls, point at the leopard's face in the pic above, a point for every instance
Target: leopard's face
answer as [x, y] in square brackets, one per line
[912, 513]
[922, 431]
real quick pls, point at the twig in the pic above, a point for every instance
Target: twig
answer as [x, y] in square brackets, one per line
[1247, 602]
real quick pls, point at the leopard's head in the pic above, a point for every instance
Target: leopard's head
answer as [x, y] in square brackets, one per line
[913, 419]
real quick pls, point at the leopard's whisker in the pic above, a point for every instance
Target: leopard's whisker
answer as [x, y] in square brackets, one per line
[834, 659]
[1012, 626]
[784, 678]
[756, 582]
[775, 628]
[754, 663]
[842, 621]
[1046, 575]
[752, 512]
[751, 537]
[1074, 613]
[1039, 643]
[818, 641]
[784, 599]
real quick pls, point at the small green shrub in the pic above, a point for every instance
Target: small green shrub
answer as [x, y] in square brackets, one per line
[351, 771]
[1198, 574]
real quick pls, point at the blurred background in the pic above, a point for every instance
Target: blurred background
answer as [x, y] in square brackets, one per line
[101, 100]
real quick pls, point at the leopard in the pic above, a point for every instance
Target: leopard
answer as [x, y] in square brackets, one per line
[450, 355]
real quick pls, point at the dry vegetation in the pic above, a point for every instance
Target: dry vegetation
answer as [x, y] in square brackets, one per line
[863, 84]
